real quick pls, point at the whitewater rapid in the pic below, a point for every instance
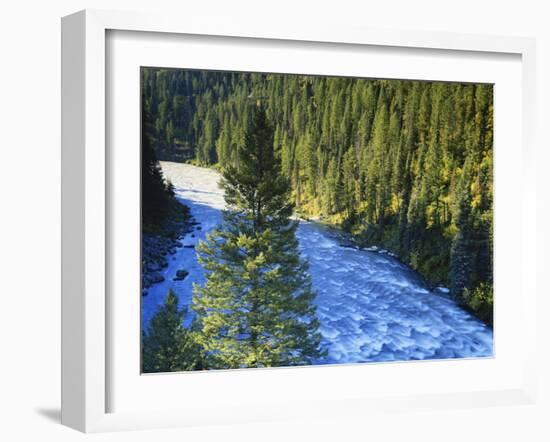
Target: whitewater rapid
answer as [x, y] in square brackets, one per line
[370, 306]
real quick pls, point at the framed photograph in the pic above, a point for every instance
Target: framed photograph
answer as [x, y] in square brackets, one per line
[275, 222]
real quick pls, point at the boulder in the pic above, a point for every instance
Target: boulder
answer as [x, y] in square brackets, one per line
[156, 277]
[181, 275]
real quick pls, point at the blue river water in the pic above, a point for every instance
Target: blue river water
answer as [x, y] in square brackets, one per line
[370, 306]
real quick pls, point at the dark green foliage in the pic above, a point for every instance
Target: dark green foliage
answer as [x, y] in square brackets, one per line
[166, 344]
[256, 307]
[405, 165]
[156, 195]
[480, 301]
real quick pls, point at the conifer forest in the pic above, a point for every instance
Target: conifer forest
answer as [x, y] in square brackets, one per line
[305, 220]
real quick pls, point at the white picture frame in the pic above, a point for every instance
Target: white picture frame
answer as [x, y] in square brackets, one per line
[86, 356]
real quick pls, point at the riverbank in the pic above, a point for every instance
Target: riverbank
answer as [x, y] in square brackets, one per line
[196, 189]
[159, 242]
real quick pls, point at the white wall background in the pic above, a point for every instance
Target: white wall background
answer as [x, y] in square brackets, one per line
[30, 219]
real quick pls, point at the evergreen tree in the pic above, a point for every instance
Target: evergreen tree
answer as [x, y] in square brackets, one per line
[156, 194]
[166, 344]
[256, 307]
[461, 257]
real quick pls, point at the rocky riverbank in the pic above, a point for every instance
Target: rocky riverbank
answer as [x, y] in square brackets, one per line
[157, 245]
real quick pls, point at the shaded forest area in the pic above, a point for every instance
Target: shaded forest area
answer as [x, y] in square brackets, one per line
[403, 165]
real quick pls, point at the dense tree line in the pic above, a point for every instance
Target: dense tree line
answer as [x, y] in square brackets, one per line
[405, 165]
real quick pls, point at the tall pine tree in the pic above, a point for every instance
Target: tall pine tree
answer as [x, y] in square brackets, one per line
[166, 344]
[156, 194]
[256, 307]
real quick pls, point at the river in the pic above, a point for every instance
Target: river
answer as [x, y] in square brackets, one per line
[371, 307]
